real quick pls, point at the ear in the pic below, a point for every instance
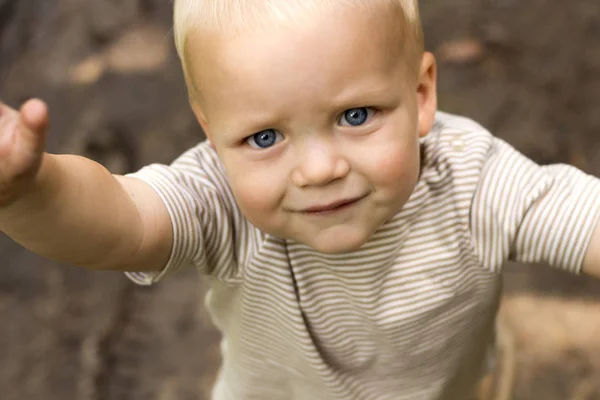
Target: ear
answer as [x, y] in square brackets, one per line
[427, 93]
[201, 120]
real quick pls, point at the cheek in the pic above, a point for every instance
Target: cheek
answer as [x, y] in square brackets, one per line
[395, 165]
[257, 190]
[394, 155]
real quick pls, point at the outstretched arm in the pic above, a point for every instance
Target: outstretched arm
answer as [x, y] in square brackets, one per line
[591, 262]
[72, 209]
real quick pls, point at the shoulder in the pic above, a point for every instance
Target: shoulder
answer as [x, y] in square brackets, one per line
[454, 153]
[201, 161]
[456, 139]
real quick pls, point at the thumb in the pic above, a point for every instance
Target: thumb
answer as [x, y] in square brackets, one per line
[33, 124]
[34, 116]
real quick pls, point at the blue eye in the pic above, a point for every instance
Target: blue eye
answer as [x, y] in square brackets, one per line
[264, 139]
[356, 116]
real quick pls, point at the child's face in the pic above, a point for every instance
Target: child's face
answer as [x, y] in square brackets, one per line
[317, 125]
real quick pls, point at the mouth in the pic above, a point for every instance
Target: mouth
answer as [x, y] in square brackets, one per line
[332, 207]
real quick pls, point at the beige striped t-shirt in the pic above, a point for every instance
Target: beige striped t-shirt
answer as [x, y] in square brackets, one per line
[410, 314]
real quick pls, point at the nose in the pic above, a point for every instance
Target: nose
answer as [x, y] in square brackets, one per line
[319, 163]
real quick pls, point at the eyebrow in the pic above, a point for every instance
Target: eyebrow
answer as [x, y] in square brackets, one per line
[358, 94]
[250, 125]
[366, 93]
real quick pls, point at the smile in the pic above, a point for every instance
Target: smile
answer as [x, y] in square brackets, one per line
[332, 207]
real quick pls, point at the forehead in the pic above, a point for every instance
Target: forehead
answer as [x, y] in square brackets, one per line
[317, 57]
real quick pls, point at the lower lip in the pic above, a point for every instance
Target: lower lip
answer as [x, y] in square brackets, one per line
[334, 210]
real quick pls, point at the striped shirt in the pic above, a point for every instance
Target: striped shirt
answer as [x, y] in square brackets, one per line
[407, 316]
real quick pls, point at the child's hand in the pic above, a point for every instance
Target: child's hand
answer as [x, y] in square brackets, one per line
[22, 139]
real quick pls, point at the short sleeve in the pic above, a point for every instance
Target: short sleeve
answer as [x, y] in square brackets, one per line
[529, 213]
[209, 231]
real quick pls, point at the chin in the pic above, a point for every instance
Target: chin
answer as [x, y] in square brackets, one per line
[338, 245]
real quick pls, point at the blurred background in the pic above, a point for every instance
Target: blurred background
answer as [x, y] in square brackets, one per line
[527, 70]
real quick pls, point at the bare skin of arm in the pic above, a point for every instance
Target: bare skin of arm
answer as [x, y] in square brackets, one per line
[591, 262]
[72, 209]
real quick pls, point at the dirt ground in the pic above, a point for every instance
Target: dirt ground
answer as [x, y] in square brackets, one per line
[529, 71]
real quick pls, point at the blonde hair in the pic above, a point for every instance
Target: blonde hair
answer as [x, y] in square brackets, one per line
[233, 16]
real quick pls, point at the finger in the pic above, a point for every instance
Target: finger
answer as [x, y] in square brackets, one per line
[34, 116]
[33, 122]
[8, 122]
[5, 110]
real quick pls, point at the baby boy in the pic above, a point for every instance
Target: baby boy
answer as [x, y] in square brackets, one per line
[353, 236]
